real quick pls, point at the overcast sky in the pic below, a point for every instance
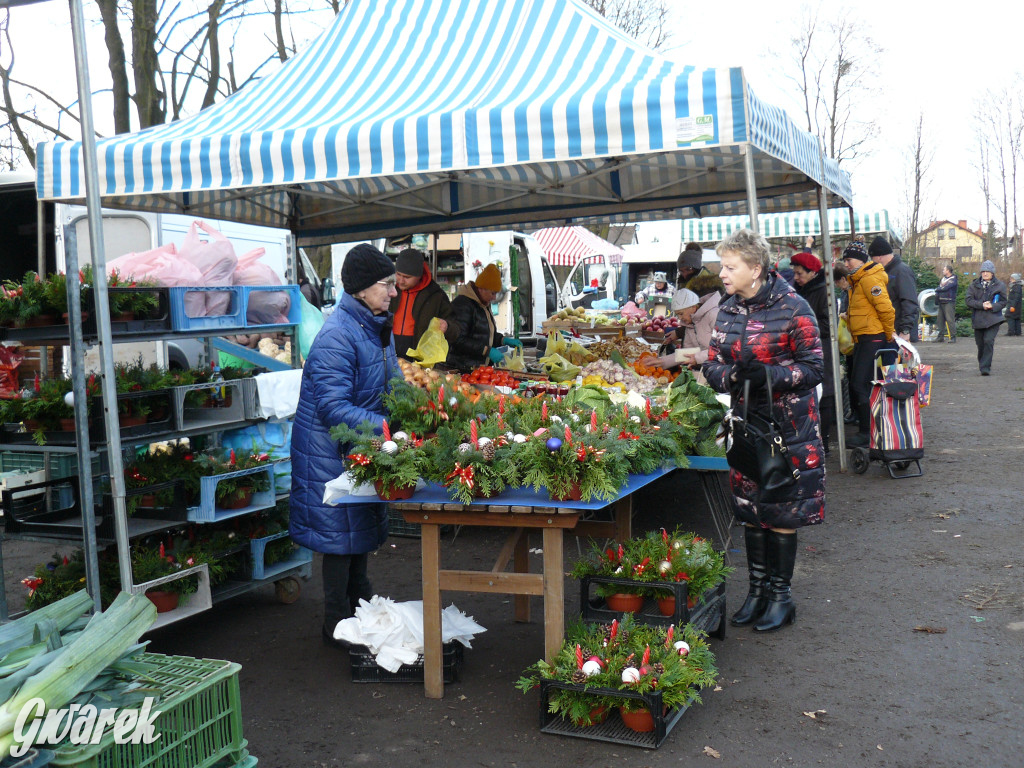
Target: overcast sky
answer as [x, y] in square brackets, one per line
[938, 58]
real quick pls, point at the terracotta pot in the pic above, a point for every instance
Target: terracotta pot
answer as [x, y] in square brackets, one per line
[123, 317]
[41, 320]
[67, 425]
[640, 721]
[597, 716]
[147, 500]
[667, 605]
[125, 420]
[624, 603]
[575, 494]
[237, 500]
[66, 315]
[159, 413]
[164, 601]
[391, 492]
[31, 424]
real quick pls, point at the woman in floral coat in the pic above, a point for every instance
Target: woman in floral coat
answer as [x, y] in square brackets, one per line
[765, 331]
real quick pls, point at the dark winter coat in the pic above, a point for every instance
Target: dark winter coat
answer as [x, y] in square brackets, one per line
[777, 328]
[946, 292]
[345, 376]
[815, 293]
[978, 294]
[903, 295]
[428, 301]
[477, 332]
[1013, 305]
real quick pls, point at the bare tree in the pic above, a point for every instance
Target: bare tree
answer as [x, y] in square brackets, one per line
[643, 20]
[834, 63]
[921, 157]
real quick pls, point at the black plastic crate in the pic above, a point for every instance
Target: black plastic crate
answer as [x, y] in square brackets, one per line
[398, 526]
[50, 508]
[155, 321]
[176, 510]
[365, 669]
[612, 729]
[707, 616]
[161, 420]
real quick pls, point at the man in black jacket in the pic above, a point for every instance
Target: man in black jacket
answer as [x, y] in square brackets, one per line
[902, 288]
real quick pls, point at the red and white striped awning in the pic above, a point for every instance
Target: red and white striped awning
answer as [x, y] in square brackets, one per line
[565, 246]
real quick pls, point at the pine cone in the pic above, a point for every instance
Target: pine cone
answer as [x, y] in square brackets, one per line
[488, 451]
[658, 667]
[587, 653]
[376, 443]
[578, 677]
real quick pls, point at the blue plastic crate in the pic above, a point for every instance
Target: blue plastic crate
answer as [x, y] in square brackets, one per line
[209, 512]
[283, 476]
[294, 294]
[181, 321]
[301, 556]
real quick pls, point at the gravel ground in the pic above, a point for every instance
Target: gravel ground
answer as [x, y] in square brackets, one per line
[855, 682]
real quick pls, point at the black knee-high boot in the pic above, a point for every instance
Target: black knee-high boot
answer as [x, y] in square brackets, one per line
[781, 557]
[757, 565]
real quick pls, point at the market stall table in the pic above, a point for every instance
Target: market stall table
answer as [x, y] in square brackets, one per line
[520, 509]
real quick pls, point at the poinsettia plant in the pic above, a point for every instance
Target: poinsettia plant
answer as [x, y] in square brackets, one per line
[597, 660]
[388, 461]
[656, 558]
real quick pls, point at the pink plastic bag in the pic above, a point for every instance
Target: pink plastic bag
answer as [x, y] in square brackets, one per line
[163, 265]
[265, 307]
[215, 258]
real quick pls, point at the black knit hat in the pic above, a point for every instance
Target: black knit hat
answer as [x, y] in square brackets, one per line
[410, 262]
[856, 250]
[879, 247]
[364, 265]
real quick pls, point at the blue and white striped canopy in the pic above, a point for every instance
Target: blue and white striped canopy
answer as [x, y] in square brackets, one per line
[422, 115]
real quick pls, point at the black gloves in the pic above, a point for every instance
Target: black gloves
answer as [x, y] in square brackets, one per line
[752, 371]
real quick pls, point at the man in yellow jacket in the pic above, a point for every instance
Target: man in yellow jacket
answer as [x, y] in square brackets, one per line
[870, 317]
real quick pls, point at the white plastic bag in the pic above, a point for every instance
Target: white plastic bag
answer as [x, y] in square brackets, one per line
[344, 487]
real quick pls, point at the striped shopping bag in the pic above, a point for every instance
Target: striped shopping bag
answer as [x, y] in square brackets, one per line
[896, 429]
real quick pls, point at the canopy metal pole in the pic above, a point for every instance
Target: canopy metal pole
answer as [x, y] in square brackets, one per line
[102, 314]
[748, 170]
[833, 323]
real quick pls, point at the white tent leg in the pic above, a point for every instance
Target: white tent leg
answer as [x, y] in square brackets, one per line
[748, 171]
[833, 323]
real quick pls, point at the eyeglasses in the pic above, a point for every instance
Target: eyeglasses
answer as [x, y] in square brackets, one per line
[388, 283]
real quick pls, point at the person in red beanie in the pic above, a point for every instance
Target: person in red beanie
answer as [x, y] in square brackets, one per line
[809, 279]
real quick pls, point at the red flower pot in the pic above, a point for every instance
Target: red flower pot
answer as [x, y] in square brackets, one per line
[126, 420]
[667, 605]
[67, 425]
[641, 721]
[238, 499]
[41, 320]
[597, 716]
[147, 500]
[32, 424]
[164, 601]
[391, 492]
[575, 494]
[624, 603]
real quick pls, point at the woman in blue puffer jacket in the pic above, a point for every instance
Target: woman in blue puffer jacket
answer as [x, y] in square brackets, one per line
[343, 382]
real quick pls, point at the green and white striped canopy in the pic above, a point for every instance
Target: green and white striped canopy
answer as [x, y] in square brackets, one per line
[793, 224]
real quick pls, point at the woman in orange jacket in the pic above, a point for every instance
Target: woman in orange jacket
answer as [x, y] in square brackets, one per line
[870, 317]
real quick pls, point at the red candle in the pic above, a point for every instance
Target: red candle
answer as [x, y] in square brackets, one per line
[593, 421]
[472, 432]
[385, 431]
[544, 411]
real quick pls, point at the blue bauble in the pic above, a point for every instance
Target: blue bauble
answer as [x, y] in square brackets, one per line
[553, 444]
[482, 417]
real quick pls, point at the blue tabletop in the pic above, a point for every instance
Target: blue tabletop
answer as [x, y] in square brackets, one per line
[527, 497]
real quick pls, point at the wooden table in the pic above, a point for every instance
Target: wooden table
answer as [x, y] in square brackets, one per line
[520, 509]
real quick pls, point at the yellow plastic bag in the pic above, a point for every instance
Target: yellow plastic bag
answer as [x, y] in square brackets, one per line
[433, 346]
[514, 359]
[556, 344]
[558, 368]
[845, 338]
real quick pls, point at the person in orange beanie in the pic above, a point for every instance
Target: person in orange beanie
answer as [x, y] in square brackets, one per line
[478, 340]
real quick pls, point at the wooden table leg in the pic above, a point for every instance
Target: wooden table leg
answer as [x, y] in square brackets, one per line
[433, 669]
[624, 518]
[521, 564]
[554, 593]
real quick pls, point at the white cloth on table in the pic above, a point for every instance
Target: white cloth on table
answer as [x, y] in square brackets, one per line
[394, 631]
[279, 393]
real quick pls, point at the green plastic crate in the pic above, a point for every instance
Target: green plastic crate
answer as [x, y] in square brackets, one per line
[61, 464]
[200, 721]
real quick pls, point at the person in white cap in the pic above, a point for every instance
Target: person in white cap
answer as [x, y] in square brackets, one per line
[659, 287]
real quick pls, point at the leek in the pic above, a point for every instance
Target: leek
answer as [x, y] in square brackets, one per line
[64, 613]
[104, 640]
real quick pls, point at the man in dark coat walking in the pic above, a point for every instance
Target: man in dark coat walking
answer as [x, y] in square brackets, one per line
[902, 288]
[420, 299]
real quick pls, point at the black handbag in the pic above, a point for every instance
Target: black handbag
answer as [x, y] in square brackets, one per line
[755, 448]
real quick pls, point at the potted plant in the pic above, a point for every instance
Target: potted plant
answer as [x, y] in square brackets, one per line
[130, 305]
[28, 298]
[235, 492]
[571, 465]
[598, 663]
[425, 411]
[657, 558]
[473, 466]
[47, 410]
[64, 575]
[149, 564]
[391, 463]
